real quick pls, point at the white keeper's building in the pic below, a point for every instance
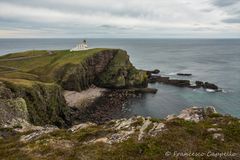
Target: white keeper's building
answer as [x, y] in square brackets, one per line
[81, 46]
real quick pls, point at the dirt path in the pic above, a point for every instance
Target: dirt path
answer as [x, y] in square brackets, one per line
[24, 58]
[12, 69]
[8, 69]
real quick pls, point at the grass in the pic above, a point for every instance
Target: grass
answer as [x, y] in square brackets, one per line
[24, 54]
[46, 63]
[180, 136]
[20, 75]
[58, 58]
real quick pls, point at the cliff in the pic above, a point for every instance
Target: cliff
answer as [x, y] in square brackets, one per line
[33, 101]
[197, 133]
[34, 80]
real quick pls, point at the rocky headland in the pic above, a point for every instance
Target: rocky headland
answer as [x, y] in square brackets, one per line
[67, 105]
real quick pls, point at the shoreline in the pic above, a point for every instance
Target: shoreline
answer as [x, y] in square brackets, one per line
[104, 108]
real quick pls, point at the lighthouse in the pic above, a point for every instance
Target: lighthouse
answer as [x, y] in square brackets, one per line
[81, 46]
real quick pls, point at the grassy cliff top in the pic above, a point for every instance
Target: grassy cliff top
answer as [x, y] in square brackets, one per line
[31, 64]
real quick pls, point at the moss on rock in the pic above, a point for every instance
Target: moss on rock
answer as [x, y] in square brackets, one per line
[45, 102]
[13, 111]
[120, 73]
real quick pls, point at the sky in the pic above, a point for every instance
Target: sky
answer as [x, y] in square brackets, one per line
[119, 18]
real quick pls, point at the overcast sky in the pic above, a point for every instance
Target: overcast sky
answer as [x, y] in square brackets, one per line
[120, 18]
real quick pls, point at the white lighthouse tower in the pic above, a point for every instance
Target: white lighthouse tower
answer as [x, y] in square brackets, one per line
[81, 46]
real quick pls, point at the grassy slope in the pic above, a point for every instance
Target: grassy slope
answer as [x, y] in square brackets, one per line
[181, 136]
[24, 54]
[32, 67]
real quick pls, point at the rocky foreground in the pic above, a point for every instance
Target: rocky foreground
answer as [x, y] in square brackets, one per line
[60, 105]
[194, 130]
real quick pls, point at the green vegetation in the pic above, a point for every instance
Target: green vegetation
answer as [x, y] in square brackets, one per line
[45, 102]
[180, 136]
[43, 63]
[64, 67]
[121, 73]
[24, 54]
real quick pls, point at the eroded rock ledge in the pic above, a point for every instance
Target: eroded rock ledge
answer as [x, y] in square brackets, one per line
[195, 129]
[123, 129]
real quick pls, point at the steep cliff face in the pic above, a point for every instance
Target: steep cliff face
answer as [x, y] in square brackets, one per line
[80, 76]
[36, 102]
[109, 68]
[12, 110]
[120, 73]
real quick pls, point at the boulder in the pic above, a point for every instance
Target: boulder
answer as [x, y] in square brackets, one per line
[81, 126]
[218, 136]
[194, 114]
[213, 130]
[155, 71]
[199, 84]
[210, 86]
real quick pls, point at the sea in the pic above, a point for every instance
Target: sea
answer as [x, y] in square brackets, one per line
[212, 60]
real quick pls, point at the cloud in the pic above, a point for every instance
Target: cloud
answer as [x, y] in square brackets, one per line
[114, 18]
[225, 3]
[231, 9]
[232, 20]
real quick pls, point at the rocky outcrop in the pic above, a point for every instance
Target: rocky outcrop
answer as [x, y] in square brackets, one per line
[206, 85]
[195, 114]
[37, 133]
[126, 128]
[109, 68]
[140, 127]
[167, 80]
[182, 83]
[155, 71]
[80, 76]
[120, 73]
[36, 102]
[13, 110]
[128, 138]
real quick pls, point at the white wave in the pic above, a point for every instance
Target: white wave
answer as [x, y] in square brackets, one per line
[171, 74]
[210, 90]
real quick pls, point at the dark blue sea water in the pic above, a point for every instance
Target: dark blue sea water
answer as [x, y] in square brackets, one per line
[216, 61]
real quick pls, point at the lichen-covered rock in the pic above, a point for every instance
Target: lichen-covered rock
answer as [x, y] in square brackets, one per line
[81, 126]
[194, 114]
[123, 129]
[37, 102]
[36, 134]
[13, 112]
[218, 136]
